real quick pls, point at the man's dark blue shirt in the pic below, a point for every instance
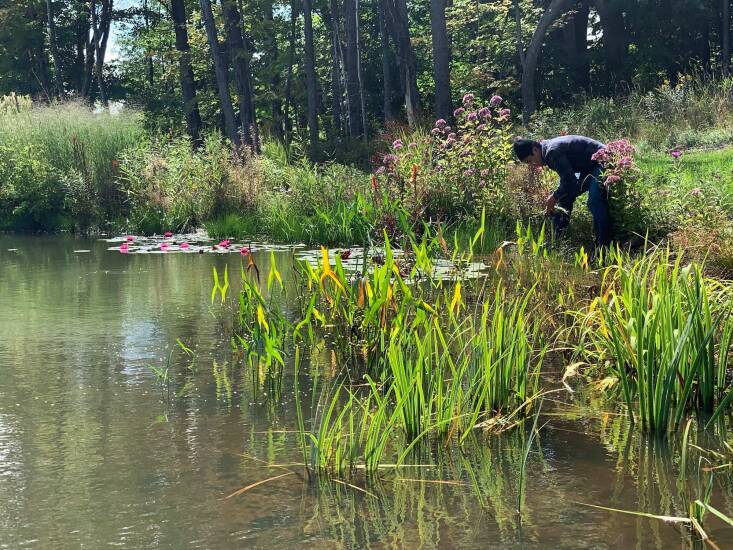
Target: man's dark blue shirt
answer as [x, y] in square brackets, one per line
[570, 155]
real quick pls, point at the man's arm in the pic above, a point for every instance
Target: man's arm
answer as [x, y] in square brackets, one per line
[568, 180]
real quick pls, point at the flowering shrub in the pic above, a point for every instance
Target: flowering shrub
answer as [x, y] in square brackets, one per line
[455, 170]
[472, 158]
[621, 177]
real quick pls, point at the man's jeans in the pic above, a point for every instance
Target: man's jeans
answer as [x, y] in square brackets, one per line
[597, 204]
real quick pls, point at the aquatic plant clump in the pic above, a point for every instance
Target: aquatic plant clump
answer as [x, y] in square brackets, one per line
[666, 332]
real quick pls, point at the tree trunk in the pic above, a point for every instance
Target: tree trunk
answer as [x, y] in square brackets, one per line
[240, 61]
[149, 69]
[362, 95]
[81, 32]
[615, 38]
[86, 90]
[518, 42]
[353, 87]
[185, 72]
[397, 14]
[309, 65]
[725, 38]
[386, 65]
[529, 70]
[332, 22]
[276, 78]
[221, 71]
[289, 79]
[441, 59]
[101, 23]
[58, 71]
[575, 41]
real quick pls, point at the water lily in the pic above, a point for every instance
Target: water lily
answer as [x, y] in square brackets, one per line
[130, 238]
[164, 246]
[225, 243]
[244, 251]
[168, 234]
[185, 246]
[124, 248]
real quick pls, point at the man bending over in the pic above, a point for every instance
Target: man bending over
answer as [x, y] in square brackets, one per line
[570, 157]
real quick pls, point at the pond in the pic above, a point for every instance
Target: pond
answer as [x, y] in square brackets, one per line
[96, 451]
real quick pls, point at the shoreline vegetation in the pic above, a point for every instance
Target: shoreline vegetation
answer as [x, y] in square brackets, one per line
[65, 167]
[425, 363]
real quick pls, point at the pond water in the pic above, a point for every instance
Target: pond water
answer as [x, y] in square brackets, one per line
[95, 452]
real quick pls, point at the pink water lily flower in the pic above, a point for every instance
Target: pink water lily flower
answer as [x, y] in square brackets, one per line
[244, 251]
[225, 243]
[167, 234]
[164, 246]
[124, 248]
[184, 246]
[130, 238]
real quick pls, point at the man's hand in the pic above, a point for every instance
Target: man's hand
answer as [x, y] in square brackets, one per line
[550, 205]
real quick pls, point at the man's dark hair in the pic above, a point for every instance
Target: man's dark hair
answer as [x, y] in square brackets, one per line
[524, 147]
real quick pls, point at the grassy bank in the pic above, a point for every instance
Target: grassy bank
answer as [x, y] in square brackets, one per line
[65, 167]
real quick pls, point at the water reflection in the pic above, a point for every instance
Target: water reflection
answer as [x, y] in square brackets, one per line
[95, 450]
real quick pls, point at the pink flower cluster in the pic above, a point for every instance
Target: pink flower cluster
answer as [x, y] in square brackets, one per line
[617, 159]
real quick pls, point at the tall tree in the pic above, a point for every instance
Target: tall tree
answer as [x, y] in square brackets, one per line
[101, 23]
[387, 112]
[272, 53]
[88, 79]
[185, 72]
[400, 29]
[353, 86]
[441, 59]
[575, 45]
[311, 84]
[529, 65]
[240, 62]
[221, 73]
[331, 19]
[725, 38]
[53, 46]
[615, 38]
[289, 78]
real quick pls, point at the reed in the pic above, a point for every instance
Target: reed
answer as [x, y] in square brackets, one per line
[665, 331]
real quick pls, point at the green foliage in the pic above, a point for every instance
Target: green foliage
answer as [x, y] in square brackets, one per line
[170, 186]
[31, 191]
[691, 113]
[61, 163]
[666, 332]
